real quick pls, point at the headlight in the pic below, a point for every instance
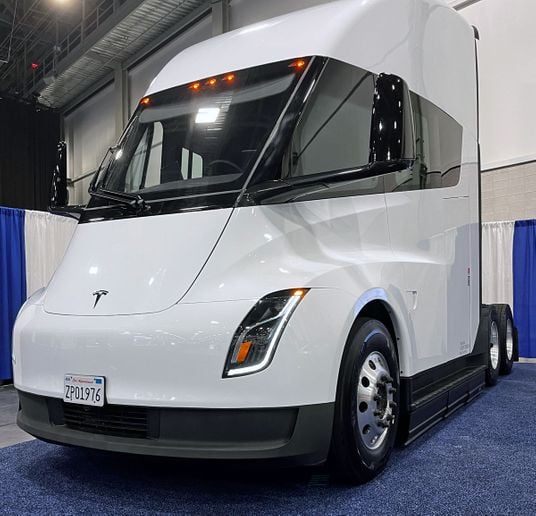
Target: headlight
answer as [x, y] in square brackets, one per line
[254, 342]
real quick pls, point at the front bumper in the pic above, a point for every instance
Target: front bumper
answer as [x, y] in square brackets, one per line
[176, 358]
[294, 435]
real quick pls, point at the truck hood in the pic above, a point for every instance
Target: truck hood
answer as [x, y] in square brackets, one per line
[133, 266]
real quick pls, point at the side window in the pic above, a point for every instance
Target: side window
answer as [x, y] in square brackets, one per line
[136, 168]
[334, 131]
[438, 139]
[154, 166]
[191, 165]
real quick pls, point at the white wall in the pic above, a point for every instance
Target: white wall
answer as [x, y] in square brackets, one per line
[507, 51]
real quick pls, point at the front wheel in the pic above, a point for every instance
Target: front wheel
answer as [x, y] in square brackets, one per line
[366, 408]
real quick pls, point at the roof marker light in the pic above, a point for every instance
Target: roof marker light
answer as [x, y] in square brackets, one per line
[195, 86]
[145, 101]
[212, 82]
[229, 77]
[299, 64]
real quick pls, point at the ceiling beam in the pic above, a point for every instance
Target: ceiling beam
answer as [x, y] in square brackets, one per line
[190, 20]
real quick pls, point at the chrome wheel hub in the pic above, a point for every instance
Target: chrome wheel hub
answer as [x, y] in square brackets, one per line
[509, 340]
[375, 405]
[494, 345]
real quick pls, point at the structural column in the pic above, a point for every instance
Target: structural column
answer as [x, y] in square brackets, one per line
[220, 17]
[121, 99]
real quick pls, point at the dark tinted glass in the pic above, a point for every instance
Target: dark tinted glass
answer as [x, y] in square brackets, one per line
[439, 150]
[200, 138]
[333, 133]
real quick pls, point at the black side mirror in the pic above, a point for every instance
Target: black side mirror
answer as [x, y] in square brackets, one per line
[59, 195]
[58, 189]
[392, 140]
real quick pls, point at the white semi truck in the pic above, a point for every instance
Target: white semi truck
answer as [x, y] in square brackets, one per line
[281, 255]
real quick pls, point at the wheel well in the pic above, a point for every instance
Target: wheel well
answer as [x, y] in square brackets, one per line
[377, 310]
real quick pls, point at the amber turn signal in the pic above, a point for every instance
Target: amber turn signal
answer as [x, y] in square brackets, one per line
[243, 351]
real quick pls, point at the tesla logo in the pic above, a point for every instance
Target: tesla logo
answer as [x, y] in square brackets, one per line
[98, 294]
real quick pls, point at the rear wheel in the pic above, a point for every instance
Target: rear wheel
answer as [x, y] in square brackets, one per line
[494, 351]
[366, 409]
[506, 338]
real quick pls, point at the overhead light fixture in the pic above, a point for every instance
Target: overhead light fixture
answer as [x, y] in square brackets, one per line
[207, 115]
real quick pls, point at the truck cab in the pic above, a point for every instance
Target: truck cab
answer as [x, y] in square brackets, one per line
[281, 255]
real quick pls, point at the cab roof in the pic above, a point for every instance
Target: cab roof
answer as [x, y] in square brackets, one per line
[425, 42]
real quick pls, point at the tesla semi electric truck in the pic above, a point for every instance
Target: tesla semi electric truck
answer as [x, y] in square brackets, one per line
[280, 258]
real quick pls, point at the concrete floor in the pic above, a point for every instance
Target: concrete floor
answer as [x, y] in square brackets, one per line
[10, 433]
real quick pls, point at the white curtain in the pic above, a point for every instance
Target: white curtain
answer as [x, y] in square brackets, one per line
[497, 249]
[47, 237]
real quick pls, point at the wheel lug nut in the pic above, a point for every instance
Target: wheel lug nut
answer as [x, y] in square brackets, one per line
[392, 390]
[387, 379]
[393, 404]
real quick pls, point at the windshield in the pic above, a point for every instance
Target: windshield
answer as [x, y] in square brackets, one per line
[202, 138]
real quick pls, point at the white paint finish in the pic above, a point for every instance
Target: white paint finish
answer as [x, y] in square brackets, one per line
[316, 243]
[90, 130]
[176, 358]
[141, 75]
[400, 248]
[146, 264]
[507, 79]
[246, 12]
[351, 33]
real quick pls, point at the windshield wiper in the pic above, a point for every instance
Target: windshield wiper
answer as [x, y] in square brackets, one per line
[135, 202]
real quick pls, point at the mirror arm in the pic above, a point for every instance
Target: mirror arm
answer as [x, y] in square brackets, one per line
[67, 211]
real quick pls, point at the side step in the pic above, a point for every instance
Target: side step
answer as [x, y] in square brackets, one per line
[440, 400]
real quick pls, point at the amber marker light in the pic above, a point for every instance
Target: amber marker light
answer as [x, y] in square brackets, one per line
[196, 86]
[212, 82]
[243, 351]
[230, 77]
[145, 101]
[298, 293]
[299, 64]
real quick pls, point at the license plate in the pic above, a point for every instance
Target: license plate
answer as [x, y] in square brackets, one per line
[84, 390]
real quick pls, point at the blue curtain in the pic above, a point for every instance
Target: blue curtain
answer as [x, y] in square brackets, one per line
[12, 280]
[524, 265]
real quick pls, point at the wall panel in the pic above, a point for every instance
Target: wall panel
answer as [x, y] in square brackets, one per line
[89, 131]
[507, 79]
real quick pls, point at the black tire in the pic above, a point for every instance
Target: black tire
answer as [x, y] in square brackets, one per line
[506, 338]
[494, 348]
[351, 459]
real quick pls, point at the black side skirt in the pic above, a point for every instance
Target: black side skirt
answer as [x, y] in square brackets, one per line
[433, 395]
